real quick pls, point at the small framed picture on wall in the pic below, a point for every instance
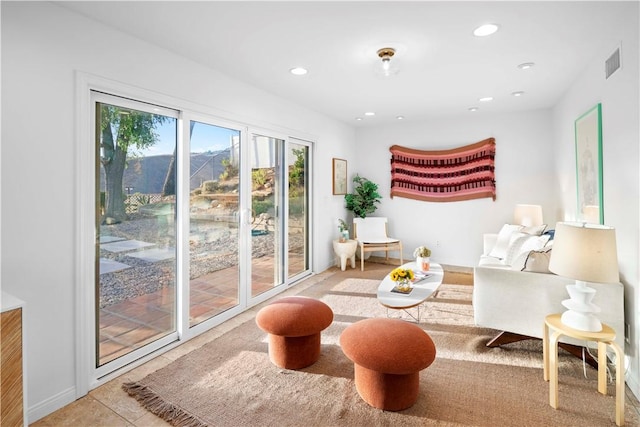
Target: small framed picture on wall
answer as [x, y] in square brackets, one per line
[339, 176]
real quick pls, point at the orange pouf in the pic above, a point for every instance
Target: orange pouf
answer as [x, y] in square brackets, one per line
[294, 325]
[388, 355]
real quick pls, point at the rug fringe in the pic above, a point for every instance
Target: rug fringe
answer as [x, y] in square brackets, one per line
[152, 402]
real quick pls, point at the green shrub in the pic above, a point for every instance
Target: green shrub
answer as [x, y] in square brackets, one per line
[142, 199]
[210, 186]
[261, 206]
[296, 205]
[229, 170]
[258, 177]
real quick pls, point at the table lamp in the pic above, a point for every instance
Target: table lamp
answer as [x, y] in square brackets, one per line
[586, 253]
[527, 215]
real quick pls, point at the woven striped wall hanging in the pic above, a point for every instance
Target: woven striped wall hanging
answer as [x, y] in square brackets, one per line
[462, 173]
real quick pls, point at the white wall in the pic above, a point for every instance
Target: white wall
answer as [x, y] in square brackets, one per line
[43, 46]
[524, 174]
[620, 100]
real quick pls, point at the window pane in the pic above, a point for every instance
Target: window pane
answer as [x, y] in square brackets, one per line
[297, 160]
[135, 223]
[214, 220]
[265, 228]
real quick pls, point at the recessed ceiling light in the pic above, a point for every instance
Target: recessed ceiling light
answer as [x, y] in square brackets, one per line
[473, 108]
[517, 93]
[486, 99]
[358, 118]
[485, 30]
[526, 65]
[298, 71]
[369, 113]
[400, 117]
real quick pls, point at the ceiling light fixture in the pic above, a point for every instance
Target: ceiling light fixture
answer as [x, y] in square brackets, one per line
[526, 65]
[486, 99]
[517, 93]
[399, 117]
[298, 71]
[485, 30]
[369, 113]
[473, 109]
[358, 119]
[386, 53]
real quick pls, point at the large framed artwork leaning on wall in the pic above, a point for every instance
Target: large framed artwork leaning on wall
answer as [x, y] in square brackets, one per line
[588, 133]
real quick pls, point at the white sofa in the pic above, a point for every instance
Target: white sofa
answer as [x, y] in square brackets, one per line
[508, 299]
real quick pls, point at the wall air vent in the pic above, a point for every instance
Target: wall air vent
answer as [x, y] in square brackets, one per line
[612, 63]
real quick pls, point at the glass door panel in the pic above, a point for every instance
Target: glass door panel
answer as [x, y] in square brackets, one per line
[213, 220]
[298, 222]
[266, 227]
[135, 224]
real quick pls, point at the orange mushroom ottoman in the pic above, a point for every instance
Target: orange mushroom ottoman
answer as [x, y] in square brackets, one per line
[388, 355]
[294, 325]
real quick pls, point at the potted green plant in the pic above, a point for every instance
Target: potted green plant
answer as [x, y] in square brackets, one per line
[422, 254]
[362, 201]
[343, 228]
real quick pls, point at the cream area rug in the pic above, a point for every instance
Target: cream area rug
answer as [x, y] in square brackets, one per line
[231, 382]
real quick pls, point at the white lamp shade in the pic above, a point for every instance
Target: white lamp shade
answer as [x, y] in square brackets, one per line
[528, 215]
[585, 252]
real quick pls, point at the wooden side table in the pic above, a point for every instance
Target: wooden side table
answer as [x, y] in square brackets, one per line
[345, 250]
[606, 337]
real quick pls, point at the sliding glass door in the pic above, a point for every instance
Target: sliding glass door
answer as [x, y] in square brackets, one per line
[214, 184]
[298, 208]
[280, 213]
[135, 280]
[196, 219]
[266, 219]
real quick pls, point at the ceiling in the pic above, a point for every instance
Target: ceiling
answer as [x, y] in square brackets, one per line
[444, 69]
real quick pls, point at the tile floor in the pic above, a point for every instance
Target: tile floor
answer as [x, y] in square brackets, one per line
[133, 323]
[109, 405]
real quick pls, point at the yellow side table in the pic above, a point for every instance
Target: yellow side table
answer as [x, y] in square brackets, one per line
[606, 337]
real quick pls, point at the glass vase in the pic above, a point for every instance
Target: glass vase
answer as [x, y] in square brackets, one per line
[422, 263]
[404, 285]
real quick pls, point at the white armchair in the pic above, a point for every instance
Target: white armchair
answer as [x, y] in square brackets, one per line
[371, 234]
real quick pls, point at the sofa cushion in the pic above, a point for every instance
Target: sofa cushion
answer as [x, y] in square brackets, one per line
[519, 263]
[489, 261]
[502, 242]
[536, 261]
[523, 243]
[534, 230]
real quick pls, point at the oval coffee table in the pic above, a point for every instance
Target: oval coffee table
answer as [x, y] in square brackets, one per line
[422, 289]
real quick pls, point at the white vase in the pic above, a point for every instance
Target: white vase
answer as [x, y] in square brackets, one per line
[422, 263]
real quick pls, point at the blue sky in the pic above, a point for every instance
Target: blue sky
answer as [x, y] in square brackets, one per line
[205, 137]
